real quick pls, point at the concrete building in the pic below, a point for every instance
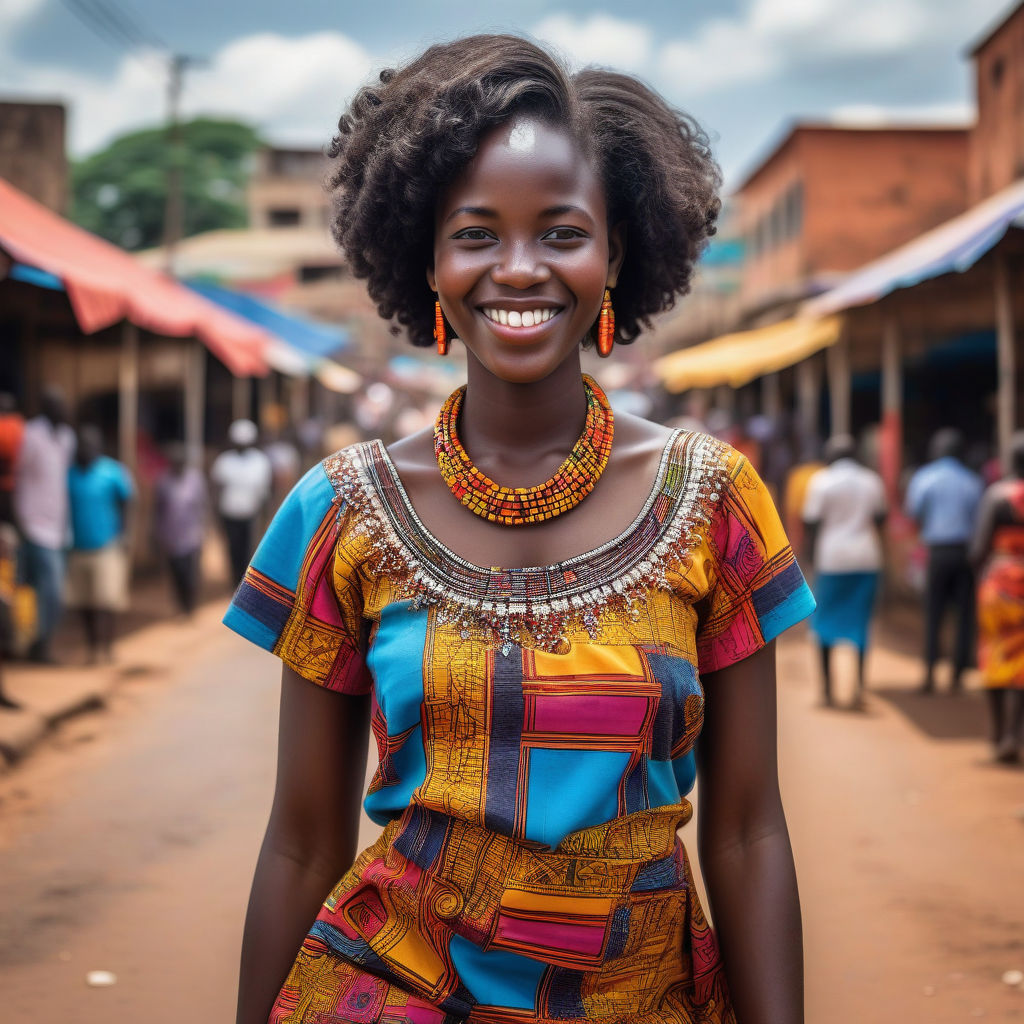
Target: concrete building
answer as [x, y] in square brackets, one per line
[287, 189]
[32, 156]
[997, 140]
[829, 199]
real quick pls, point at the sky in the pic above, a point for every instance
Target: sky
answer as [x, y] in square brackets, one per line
[746, 69]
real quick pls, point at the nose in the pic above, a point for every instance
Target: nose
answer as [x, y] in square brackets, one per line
[520, 266]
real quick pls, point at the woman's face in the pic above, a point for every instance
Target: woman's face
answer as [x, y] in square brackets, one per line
[522, 250]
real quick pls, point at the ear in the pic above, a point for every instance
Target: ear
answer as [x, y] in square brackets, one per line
[616, 251]
[431, 279]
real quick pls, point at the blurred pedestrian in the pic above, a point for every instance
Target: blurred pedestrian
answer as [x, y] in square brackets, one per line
[12, 433]
[843, 511]
[8, 586]
[180, 508]
[41, 513]
[101, 494]
[942, 499]
[285, 465]
[997, 552]
[243, 478]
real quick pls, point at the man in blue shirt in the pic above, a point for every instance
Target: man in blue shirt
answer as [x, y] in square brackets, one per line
[943, 499]
[100, 493]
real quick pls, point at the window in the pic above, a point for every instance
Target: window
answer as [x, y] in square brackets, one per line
[282, 217]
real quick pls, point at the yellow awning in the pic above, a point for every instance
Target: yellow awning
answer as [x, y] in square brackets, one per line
[736, 359]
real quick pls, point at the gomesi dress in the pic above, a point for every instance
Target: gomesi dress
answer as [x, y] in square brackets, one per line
[535, 730]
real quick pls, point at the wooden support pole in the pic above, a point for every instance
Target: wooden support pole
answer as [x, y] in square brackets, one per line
[808, 404]
[195, 403]
[771, 396]
[1006, 349]
[128, 396]
[839, 383]
[241, 398]
[891, 439]
[267, 390]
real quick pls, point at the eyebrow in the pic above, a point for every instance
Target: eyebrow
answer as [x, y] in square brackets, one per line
[486, 211]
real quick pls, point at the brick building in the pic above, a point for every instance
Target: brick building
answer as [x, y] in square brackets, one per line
[997, 141]
[828, 199]
[32, 155]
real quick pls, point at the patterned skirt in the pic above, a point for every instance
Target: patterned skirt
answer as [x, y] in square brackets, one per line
[1001, 623]
[441, 922]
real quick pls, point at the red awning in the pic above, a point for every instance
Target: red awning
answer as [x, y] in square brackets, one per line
[106, 285]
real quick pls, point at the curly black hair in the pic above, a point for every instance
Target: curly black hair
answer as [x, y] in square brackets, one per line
[402, 141]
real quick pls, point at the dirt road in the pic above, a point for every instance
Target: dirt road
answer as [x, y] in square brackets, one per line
[127, 844]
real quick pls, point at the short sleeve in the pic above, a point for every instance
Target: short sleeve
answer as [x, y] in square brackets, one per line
[301, 598]
[756, 589]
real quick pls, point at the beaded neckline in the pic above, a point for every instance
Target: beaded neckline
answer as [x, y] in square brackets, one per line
[532, 605]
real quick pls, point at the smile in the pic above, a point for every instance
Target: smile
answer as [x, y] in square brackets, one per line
[515, 318]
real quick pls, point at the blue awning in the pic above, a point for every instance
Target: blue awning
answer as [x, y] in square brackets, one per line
[33, 275]
[954, 246]
[312, 338]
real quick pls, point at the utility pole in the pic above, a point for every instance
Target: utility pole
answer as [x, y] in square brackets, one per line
[174, 210]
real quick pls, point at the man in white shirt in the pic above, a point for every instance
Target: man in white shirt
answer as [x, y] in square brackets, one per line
[843, 512]
[41, 512]
[243, 478]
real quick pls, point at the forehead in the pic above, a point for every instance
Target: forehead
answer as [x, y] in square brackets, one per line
[523, 164]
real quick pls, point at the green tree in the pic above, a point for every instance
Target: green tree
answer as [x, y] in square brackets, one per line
[120, 192]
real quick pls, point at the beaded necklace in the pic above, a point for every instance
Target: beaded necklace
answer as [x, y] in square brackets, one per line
[518, 506]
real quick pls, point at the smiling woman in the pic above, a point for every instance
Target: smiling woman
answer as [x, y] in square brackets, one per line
[547, 602]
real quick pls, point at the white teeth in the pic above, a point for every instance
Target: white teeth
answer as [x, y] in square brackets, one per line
[513, 318]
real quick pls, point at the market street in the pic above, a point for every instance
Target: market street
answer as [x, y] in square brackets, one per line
[128, 840]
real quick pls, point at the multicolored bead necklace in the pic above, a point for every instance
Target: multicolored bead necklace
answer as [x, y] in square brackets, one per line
[519, 506]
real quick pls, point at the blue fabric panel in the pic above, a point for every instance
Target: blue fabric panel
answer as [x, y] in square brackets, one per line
[782, 602]
[570, 790]
[565, 995]
[253, 616]
[845, 601]
[421, 839]
[497, 977]
[395, 660]
[685, 769]
[657, 874]
[410, 763]
[635, 788]
[283, 546]
[619, 934]
[662, 789]
[508, 711]
[678, 680]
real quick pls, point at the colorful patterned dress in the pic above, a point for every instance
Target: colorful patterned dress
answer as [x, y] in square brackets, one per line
[535, 730]
[1001, 596]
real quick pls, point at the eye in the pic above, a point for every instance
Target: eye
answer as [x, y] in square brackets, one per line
[564, 234]
[473, 235]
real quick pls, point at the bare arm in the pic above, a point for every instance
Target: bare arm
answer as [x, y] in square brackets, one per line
[744, 844]
[311, 837]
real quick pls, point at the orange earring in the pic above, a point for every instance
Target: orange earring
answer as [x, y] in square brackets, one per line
[440, 334]
[606, 326]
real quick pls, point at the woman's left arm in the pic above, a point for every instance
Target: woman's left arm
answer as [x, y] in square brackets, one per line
[745, 853]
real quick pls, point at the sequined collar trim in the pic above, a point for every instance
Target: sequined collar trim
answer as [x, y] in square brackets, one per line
[533, 605]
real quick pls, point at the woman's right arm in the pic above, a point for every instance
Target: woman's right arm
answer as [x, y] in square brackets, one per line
[311, 837]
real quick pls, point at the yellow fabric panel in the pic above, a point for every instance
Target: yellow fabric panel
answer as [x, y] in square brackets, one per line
[736, 359]
[578, 906]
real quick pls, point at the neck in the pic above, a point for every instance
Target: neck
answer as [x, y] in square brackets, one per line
[532, 419]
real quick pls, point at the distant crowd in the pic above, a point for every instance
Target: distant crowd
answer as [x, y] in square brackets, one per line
[69, 520]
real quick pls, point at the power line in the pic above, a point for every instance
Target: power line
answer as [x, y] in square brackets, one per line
[113, 24]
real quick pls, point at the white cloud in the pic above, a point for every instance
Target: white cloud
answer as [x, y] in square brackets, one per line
[598, 39]
[293, 89]
[766, 38]
[866, 115]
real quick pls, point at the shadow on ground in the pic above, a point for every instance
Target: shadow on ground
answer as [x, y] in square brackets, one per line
[940, 716]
